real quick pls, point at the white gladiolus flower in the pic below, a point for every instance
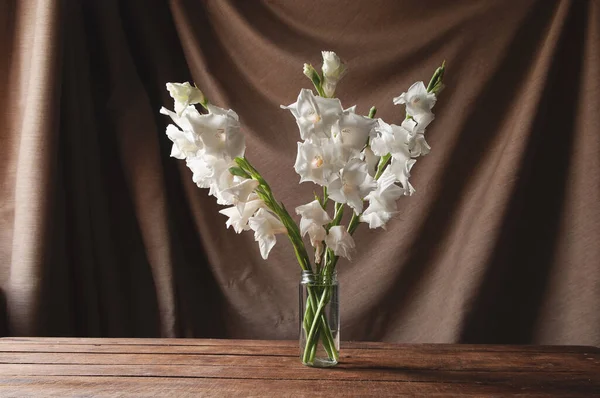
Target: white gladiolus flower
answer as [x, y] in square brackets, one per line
[333, 71]
[418, 101]
[416, 140]
[372, 160]
[265, 226]
[183, 119]
[313, 217]
[401, 169]
[185, 143]
[211, 171]
[238, 221]
[311, 213]
[317, 235]
[203, 172]
[219, 131]
[382, 201]
[314, 115]
[238, 194]
[352, 185]
[316, 163]
[184, 95]
[392, 139]
[352, 130]
[340, 241]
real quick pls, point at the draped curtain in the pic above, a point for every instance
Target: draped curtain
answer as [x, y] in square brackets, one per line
[103, 234]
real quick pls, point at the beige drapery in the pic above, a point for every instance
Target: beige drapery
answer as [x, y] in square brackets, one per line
[102, 234]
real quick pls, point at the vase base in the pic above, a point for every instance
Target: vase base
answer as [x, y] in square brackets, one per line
[321, 363]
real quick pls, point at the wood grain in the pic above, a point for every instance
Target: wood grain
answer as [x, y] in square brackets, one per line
[193, 367]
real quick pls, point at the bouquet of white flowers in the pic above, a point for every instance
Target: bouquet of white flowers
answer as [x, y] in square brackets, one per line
[354, 158]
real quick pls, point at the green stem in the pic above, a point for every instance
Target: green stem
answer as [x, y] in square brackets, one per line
[325, 198]
[310, 338]
[372, 112]
[323, 326]
[265, 193]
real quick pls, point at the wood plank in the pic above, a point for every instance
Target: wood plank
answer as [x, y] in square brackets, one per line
[182, 387]
[409, 358]
[149, 341]
[191, 367]
[151, 349]
[584, 380]
[400, 361]
[567, 363]
[293, 343]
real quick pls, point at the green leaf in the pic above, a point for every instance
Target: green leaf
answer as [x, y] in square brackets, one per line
[238, 171]
[436, 80]
[372, 112]
[315, 78]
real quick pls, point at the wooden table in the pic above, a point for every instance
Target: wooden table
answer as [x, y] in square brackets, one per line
[36, 367]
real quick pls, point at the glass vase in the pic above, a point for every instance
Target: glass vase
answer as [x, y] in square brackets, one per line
[319, 319]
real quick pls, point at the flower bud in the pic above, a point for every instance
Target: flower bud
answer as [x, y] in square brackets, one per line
[314, 77]
[185, 94]
[333, 71]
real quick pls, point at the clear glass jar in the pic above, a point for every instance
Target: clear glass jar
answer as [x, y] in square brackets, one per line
[319, 319]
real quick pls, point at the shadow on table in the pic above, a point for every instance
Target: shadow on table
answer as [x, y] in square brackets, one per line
[567, 383]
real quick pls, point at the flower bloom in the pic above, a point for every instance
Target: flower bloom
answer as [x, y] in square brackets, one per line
[239, 193]
[220, 132]
[185, 143]
[394, 140]
[352, 130]
[265, 226]
[314, 115]
[238, 221]
[185, 95]
[417, 100]
[382, 201]
[340, 241]
[352, 184]
[416, 139]
[313, 218]
[316, 163]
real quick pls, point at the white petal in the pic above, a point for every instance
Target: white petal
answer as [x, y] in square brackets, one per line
[220, 134]
[316, 233]
[372, 161]
[315, 115]
[265, 226]
[416, 99]
[184, 95]
[352, 184]
[266, 243]
[185, 143]
[376, 216]
[352, 130]
[401, 168]
[313, 211]
[316, 163]
[238, 221]
[202, 172]
[239, 193]
[340, 241]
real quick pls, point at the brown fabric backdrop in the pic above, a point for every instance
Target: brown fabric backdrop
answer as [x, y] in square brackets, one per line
[102, 234]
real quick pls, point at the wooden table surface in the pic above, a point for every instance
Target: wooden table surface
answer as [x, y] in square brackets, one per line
[36, 367]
